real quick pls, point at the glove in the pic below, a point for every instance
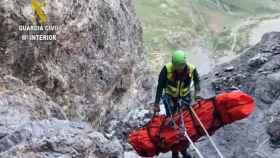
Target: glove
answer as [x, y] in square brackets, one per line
[185, 103]
[196, 95]
[156, 108]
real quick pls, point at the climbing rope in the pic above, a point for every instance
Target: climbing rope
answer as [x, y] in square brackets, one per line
[182, 126]
[188, 137]
[207, 134]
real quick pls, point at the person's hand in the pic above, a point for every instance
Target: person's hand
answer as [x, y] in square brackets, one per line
[197, 96]
[156, 108]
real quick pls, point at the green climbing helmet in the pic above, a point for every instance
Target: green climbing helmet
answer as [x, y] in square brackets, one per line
[179, 57]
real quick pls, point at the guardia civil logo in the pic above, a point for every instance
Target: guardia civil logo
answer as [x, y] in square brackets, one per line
[40, 16]
[39, 30]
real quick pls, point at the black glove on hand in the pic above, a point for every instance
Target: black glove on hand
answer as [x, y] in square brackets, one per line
[196, 95]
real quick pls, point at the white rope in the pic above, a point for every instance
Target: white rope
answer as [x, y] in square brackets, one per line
[209, 137]
[188, 137]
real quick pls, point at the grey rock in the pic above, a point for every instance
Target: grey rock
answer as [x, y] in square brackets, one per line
[21, 104]
[257, 61]
[230, 68]
[270, 43]
[272, 65]
[105, 147]
[147, 84]
[30, 128]
[96, 62]
[98, 52]
[58, 138]
[274, 132]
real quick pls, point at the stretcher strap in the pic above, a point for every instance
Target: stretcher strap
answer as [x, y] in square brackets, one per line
[157, 140]
[196, 125]
[217, 119]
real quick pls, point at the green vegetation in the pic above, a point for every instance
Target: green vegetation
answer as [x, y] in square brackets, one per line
[183, 24]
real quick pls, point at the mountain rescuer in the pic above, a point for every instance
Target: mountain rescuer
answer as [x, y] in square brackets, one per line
[175, 79]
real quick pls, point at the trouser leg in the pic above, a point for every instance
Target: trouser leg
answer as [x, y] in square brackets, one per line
[175, 154]
[186, 101]
[185, 154]
[170, 108]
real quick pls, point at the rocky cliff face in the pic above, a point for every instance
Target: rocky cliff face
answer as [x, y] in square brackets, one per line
[96, 63]
[55, 95]
[32, 125]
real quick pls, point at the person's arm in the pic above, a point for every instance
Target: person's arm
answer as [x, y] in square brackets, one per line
[161, 85]
[196, 81]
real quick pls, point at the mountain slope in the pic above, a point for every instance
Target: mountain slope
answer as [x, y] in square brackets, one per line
[221, 27]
